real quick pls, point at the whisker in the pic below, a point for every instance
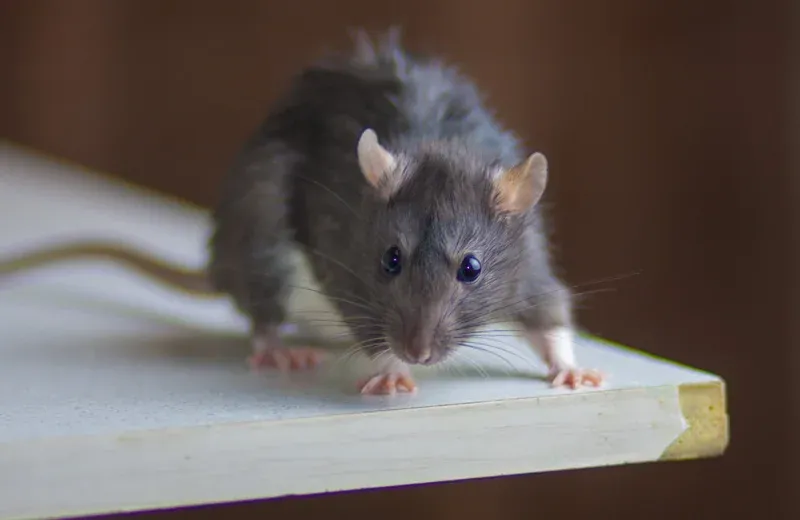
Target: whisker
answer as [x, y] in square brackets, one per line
[339, 264]
[462, 354]
[342, 321]
[345, 300]
[332, 314]
[361, 346]
[387, 352]
[479, 348]
[350, 353]
[453, 368]
[494, 315]
[567, 288]
[499, 347]
[492, 335]
[351, 326]
[333, 193]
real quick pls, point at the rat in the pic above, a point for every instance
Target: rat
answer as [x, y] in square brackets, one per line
[381, 192]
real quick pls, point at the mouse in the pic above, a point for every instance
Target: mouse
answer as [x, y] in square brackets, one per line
[379, 197]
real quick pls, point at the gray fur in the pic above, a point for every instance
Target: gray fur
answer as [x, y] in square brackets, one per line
[298, 182]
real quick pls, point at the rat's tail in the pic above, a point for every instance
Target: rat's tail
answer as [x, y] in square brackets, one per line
[185, 280]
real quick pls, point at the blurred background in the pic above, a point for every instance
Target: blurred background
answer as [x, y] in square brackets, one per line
[668, 126]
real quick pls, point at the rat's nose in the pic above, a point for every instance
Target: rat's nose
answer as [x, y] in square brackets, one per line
[422, 355]
[417, 342]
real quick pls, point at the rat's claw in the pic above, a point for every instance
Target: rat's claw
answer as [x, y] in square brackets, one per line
[286, 359]
[576, 377]
[388, 383]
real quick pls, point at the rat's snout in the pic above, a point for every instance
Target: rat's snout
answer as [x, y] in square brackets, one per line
[417, 343]
[419, 327]
[419, 352]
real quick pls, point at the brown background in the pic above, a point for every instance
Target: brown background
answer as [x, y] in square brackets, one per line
[667, 126]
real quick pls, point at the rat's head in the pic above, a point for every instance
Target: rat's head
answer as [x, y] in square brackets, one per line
[445, 247]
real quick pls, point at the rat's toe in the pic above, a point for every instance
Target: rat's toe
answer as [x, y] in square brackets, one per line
[576, 377]
[593, 377]
[304, 358]
[406, 384]
[387, 384]
[286, 359]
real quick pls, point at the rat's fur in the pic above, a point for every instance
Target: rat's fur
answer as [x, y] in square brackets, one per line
[298, 183]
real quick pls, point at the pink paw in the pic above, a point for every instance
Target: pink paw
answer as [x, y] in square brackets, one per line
[388, 383]
[286, 359]
[576, 377]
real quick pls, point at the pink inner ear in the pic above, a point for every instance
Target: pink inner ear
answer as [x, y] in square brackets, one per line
[389, 182]
[521, 187]
[512, 192]
[376, 163]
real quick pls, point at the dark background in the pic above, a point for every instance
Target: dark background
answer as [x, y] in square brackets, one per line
[668, 128]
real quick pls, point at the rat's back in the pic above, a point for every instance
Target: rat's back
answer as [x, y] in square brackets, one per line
[406, 99]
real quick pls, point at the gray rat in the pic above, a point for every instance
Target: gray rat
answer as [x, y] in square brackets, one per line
[380, 193]
[415, 213]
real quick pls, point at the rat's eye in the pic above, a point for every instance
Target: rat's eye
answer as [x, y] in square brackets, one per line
[470, 269]
[391, 261]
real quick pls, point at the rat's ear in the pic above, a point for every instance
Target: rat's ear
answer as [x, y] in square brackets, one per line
[374, 160]
[519, 188]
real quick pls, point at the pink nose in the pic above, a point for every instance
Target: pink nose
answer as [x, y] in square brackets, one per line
[422, 355]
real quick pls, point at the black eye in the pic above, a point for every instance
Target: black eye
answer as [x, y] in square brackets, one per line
[391, 261]
[470, 269]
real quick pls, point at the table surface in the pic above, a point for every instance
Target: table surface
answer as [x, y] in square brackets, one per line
[117, 394]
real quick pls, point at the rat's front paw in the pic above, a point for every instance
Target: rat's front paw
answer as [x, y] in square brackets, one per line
[286, 359]
[388, 383]
[576, 377]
